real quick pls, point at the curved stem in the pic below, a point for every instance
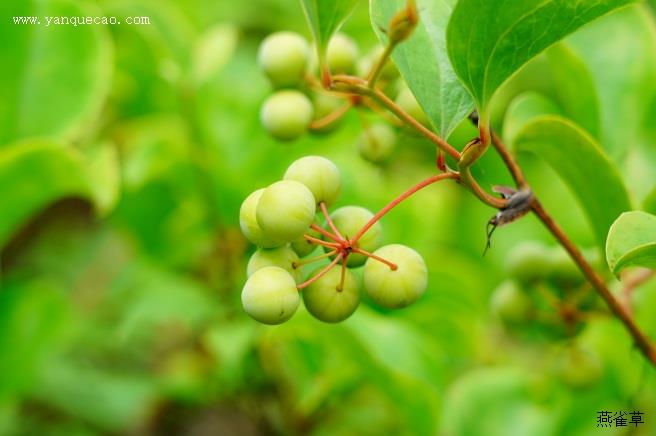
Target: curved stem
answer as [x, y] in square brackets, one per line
[314, 259]
[380, 64]
[398, 200]
[392, 265]
[325, 232]
[352, 85]
[640, 339]
[323, 243]
[468, 180]
[511, 164]
[331, 118]
[326, 215]
[321, 273]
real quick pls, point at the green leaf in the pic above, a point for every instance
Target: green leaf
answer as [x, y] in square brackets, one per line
[649, 203]
[582, 165]
[213, 51]
[424, 64]
[54, 78]
[524, 108]
[488, 41]
[325, 17]
[623, 69]
[104, 176]
[632, 242]
[38, 173]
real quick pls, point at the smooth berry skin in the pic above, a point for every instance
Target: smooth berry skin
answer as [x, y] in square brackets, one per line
[342, 54]
[377, 143]
[325, 105]
[248, 223]
[302, 246]
[398, 288]
[367, 63]
[510, 303]
[286, 210]
[349, 220]
[283, 56]
[407, 101]
[326, 302]
[286, 115]
[283, 257]
[270, 295]
[529, 262]
[320, 175]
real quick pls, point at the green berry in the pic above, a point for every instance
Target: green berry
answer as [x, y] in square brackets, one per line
[325, 105]
[283, 257]
[320, 175]
[407, 101]
[510, 303]
[248, 222]
[326, 301]
[286, 115]
[400, 287]
[342, 54]
[286, 210]
[302, 246]
[577, 367]
[377, 143]
[367, 63]
[349, 220]
[270, 295]
[529, 262]
[283, 56]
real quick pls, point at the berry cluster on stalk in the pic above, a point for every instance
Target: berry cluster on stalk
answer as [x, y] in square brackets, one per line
[289, 220]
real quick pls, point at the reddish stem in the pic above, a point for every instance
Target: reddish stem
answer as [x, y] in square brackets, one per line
[325, 232]
[392, 265]
[324, 211]
[331, 118]
[399, 199]
[323, 243]
[321, 273]
[314, 259]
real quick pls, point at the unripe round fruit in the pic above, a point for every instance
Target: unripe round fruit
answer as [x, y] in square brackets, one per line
[349, 220]
[302, 246]
[285, 210]
[320, 175]
[326, 302]
[562, 268]
[283, 56]
[367, 63]
[283, 257]
[270, 295]
[341, 54]
[248, 222]
[286, 115]
[325, 105]
[407, 101]
[510, 303]
[377, 143]
[396, 288]
[578, 368]
[528, 262]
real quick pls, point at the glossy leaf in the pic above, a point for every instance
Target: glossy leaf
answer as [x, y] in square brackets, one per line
[40, 173]
[582, 164]
[489, 41]
[632, 242]
[623, 69]
[325, 17]
[424, 64]
[54, 78]
[523, 109]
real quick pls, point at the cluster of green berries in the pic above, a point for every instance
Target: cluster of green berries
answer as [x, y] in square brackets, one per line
[289, 112]
[281, 220]
[546, 297]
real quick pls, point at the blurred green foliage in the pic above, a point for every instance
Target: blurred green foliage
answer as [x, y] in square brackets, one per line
[125, 153]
